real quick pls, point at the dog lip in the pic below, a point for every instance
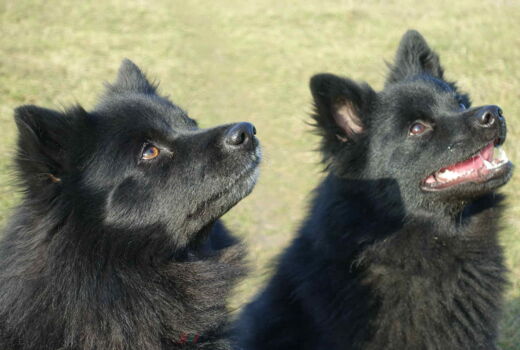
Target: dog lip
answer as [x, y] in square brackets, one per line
[500, 171]
[489, 168]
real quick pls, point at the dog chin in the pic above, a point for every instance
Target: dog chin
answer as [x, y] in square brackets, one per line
[238, 189]
[217, 204]
[221, 202]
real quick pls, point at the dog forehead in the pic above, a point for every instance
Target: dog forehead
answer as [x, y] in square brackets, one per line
[141, 111]
[427, 80]
[416, 96]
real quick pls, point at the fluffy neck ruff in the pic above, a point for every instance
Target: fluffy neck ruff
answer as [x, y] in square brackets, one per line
[83, 297]
[422, 281]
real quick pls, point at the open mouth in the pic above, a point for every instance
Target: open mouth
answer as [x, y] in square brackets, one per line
[489, 163]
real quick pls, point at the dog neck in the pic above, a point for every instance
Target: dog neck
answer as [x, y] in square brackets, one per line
[407, 261]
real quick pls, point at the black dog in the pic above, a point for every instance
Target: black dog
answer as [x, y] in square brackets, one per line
[116, 244]
[400, 247]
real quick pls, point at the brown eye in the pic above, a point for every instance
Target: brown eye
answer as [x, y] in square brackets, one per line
[150, 152]
[418, 128]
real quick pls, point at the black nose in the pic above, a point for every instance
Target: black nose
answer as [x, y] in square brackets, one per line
[487, 116]
[240, 135]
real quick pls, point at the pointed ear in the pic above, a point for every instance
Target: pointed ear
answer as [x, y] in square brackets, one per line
[131, 79]
[414, 57]
[340, 107]
[42, 134]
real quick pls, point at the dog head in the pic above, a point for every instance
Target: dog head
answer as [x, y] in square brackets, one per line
[135, 163]
[420, 131]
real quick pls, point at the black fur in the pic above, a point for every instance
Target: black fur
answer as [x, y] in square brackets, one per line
[109, 250]
[380, 262]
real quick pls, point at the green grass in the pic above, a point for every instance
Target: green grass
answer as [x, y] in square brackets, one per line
[237, 60]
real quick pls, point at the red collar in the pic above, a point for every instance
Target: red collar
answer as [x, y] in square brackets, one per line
[188, 339]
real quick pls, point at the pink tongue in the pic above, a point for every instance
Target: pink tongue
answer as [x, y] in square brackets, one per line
[474, 163]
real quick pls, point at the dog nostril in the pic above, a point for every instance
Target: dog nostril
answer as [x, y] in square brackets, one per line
[240, 134]
[238, 139]
[487, 118]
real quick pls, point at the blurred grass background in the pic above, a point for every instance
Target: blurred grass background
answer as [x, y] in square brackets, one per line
[233, 60]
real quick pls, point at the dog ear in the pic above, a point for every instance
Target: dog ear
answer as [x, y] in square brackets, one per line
[131, 79]
[414, 57]
[42, 134]
[340, 107]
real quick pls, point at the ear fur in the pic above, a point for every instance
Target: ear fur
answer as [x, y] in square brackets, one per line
[42, 136]
[131, 79]
[414, 57]
[340, 106]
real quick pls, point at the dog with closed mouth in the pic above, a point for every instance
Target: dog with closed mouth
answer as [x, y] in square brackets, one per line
[399, 249]
[117, 242]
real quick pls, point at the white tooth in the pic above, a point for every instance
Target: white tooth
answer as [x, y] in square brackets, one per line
[447, 175]
[488, 164]
[501, 156]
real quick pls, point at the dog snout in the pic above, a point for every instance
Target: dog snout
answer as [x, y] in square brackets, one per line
[240, 135]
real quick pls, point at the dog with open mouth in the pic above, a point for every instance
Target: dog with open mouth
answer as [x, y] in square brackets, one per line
[117, 243]
[399, 250]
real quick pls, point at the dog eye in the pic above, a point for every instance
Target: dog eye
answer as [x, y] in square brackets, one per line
[462, 106]
[150, 152]
[418, 128]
